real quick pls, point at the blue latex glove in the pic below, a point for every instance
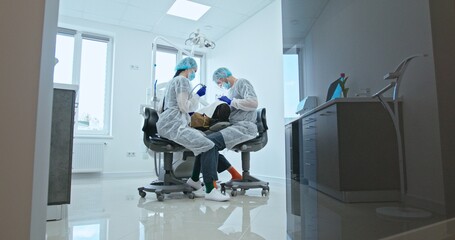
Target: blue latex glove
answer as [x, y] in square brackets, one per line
[225, 99]
[201, 91]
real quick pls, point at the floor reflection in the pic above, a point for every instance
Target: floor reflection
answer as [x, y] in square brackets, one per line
[444, 230]
[323, 217]
[199, 219]
[110, 208]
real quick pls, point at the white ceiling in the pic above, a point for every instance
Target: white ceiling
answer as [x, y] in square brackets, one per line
[150, 15]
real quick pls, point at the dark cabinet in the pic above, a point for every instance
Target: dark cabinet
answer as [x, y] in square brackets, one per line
[293, 151]
[293, 173]
[308, 145]
[349, 151]
[61, 151]
[293, 177]
[328, 160]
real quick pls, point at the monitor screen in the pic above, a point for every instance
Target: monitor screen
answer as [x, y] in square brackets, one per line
[334, 90]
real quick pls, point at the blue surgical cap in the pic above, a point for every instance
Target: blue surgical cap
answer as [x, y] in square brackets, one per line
[186, 63]
[221, 73]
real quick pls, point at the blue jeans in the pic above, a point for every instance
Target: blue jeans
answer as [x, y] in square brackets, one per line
[207, 164]
[204, 164]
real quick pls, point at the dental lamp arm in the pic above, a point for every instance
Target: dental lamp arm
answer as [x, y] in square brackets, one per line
[402, 67]
[385, 89]
[200, 99]
[396, 75]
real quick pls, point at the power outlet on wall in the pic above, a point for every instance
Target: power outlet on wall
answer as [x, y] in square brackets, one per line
[130, 154]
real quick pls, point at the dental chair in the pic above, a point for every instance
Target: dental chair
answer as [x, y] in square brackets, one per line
[167, 182]
[246, 148]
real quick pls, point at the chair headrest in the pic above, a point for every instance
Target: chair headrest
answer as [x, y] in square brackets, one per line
[150, 119]
[261, 120]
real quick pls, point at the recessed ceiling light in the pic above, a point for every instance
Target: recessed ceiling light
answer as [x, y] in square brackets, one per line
[188, 9]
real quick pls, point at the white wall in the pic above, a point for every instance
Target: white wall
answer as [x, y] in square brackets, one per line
[254, 51]
[366, 39]
[131, 47]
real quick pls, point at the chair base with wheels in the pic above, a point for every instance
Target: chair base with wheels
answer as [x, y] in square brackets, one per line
[253, 145]
[167, 182]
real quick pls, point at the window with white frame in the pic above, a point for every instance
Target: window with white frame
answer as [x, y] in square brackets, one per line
[166, 59]
[85, 59]
[291, 85]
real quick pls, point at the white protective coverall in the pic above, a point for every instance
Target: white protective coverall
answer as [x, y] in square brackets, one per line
[243, 114]
[173, 121]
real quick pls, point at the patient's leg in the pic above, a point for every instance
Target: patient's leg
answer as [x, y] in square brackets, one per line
[223, 164]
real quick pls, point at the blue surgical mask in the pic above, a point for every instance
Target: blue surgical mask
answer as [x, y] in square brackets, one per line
[226, 85]
[191, 76]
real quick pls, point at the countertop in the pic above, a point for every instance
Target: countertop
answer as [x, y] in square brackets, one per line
[334, 101]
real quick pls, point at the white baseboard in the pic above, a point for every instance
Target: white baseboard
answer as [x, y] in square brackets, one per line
[128, 174]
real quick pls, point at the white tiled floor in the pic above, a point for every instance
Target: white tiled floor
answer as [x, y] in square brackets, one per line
[110, 208]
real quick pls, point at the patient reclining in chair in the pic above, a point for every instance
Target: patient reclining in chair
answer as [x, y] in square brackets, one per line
[243, 103]
[173, 124]
[217, 115]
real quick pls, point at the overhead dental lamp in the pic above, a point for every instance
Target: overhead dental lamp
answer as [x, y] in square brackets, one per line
[198, 39]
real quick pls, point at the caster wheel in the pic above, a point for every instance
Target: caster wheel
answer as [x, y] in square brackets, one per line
[234, 193]
[242, 192]
[264, 193]
[191, 195]
[223, 189]
[142, 194]
[160, 197]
